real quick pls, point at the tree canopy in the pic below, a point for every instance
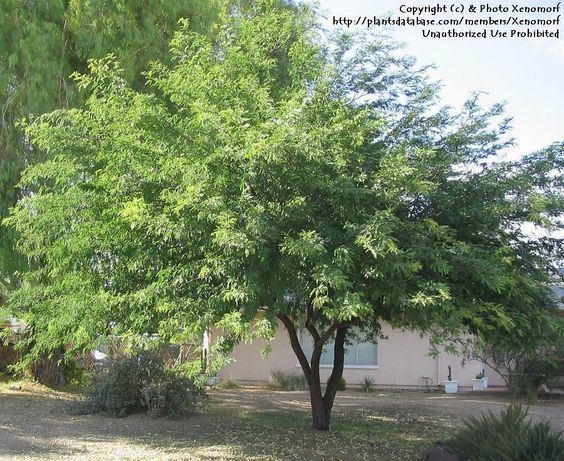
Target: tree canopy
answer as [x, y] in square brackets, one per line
[273, 172]
[43, 43]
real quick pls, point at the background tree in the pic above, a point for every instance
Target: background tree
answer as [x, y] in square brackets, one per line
[527, 366]
[276, 175]
[43, 43]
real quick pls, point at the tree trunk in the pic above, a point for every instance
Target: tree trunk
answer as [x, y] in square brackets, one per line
[336, 374]
[320, 421]
[321, 405]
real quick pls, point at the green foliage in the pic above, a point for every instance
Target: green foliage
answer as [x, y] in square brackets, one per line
[140, 383]
[284, 381]
[206, 366]
[511, 437]
[172, 395]
[43, 43]
[269, 170]
[526, 366]
[367, 384]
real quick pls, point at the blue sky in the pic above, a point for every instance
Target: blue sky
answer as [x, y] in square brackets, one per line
[526, 73]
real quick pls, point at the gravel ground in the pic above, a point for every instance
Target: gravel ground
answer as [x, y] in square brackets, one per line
[456, 406]
[238, 425]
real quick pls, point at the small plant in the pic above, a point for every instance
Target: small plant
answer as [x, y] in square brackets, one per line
[367, 384]
[342, 386]
[450, 386]
[512, 436]
[283, 381]
[228, 383]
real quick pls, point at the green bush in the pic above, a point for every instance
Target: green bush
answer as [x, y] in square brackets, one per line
[511, 437]
[367, 384]
[342, 386]
[139, 383]
[529, 373]
[171, 395]
[228, 383]
[288, 381]
[525, 367]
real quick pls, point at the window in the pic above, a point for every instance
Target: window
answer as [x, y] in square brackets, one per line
[357, 354]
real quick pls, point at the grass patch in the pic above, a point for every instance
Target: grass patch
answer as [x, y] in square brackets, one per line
[228, 383]
[282, 381]
[364, 435]
[8, 381]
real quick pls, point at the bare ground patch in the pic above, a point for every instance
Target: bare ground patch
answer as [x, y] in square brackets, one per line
[247, 423]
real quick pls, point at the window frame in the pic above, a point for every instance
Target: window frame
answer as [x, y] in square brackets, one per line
[330, 366]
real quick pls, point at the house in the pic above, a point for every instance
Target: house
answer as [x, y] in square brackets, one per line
[401, 361]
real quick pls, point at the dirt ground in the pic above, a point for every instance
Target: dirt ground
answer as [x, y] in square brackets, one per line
[457, 407]
[246, 423]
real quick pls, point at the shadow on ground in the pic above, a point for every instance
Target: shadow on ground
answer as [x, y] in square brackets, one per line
[247, 423]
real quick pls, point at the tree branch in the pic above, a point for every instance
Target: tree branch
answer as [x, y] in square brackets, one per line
[329, 333]
[309, 323]
[295, 342]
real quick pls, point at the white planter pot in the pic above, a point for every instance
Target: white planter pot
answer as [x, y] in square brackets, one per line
[485, 378]
[478, 384]
[451, 387]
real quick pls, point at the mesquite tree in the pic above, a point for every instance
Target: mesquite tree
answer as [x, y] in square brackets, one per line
[276, 175]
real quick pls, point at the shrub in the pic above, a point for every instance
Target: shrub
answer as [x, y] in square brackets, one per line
[510, 437]
[118, 388]
[524, 372]
[140, 383]
[228, 383]
[342, 386]
[525, 367]
[8, 356]
[288, 381]
[367, 384]
[171, 395]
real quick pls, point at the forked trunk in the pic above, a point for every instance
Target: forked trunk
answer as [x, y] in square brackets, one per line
[321, 404]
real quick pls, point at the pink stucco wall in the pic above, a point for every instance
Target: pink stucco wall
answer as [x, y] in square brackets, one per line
[402, 362]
